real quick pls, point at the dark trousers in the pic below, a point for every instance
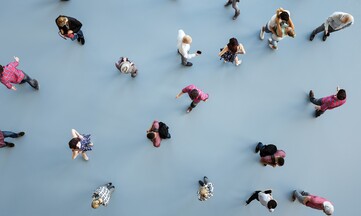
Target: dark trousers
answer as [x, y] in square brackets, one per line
[321, 28]
[32, 82]
[267, 150]
[10, 134]
[317, 102]
[204, 182]
[193, 104]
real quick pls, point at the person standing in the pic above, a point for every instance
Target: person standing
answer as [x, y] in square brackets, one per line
[329, 102]
[195, 94]
[234, 4]
[80, 144]
[6, 134]
[205, 190]
[184, 45]
[230, 51]
[102, 195]
[313, 201]
[336, 22]
[270, 155]
[69, 27]
[9, 75]
[265, 198]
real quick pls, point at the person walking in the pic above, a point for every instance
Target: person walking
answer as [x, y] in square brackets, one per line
[69, 27]
[80, 144]
[195, 94]
[205, 190]
[282, 30]
[265, 198]
[270, 155]
[312, 201]
[102, 195]
[125, 66]
[336, 22]
[9, 75]
[184, 45]
[230, 51]
[329, 102]
[6, 134]
[234, 4]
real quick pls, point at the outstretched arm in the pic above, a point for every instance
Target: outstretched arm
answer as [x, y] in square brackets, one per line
[180, 94]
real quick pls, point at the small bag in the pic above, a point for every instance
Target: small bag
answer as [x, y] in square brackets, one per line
[164, 131]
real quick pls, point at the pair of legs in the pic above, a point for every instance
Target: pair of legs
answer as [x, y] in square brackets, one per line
[265, 150]
[273, 44]
[299, 195]
[191, 106]
[234, 4]
[111, 187]
[32, 82]
[321, 28]
[263, 30]
[185, 61]
[10, 134]
[204, 182]
[255, 195]
[317, 102]
[79, 36]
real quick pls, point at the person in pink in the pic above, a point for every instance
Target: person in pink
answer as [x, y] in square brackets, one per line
[153, 134]
[313, 201]
[329, 102]
[9, 75]
[277, 159]
[195, 94]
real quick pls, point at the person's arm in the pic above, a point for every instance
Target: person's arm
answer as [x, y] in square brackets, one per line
[224, 50]
[327, 23]
[337, 89]
[306, 199]
[150, 128]
[75, 154]
[75, 25]
[76, 134]
[180, 94]
[290, 24]
[242, 49]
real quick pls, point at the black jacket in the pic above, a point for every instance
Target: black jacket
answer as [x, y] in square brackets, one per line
[73, 23]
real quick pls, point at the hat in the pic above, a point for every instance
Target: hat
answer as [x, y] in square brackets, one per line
[124, 68]
[328, 208]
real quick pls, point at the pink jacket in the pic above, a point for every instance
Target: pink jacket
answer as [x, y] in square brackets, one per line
[202, 96]
[11, 75]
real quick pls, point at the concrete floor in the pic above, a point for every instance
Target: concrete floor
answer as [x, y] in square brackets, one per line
[264, 99]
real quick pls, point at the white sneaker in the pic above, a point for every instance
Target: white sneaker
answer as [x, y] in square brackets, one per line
[239, 62]
[261, 34]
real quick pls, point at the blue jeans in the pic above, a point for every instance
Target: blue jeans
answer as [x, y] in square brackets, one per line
[77, 35]
[10, 134]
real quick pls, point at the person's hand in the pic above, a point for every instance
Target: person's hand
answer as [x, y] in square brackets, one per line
[70, 32]
[16, 59]
[317, 108]
[177, 96]
[338, 88]
[13, 88]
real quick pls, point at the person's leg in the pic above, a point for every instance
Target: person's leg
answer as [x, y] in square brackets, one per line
[201, 183]
[273, 44]
[315, 101]
[205, 180]
[80, 36]
[32, 82]
[319, 29]
[253, 197]
[191, 106]
[297, 195]
[12, 134]
[263, 30]
[85, 157]
[258, 147]
[9, 144]
[236, 9]
[185, 61]
[229, 2]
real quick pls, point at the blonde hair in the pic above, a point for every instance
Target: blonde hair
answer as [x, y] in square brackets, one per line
[61, 21]
[187, 39]
[96, 203]
[203, 192]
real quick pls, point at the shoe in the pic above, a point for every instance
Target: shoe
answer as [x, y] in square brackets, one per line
[239, 62]
[324, 37]
[109, 184]
[35, 84]
[264, 164]
[293, 196]
[85, 157]
[78, 39]
[311, 95]
[200, 183]
[205, 179]
[236, 15]
[228, 4]
[261, 34]
[10, 145]
[189, 64]
[257, 147]
[271, 45]
[21, 134]
[189, 109]
[82, 41]
[312, 36]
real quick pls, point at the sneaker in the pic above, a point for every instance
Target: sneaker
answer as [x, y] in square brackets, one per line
[239, 62]
[257, 147]
[293, 196]
[78, 39]
[35, 84]
[324, 37]
[85, 157]
[21, 134]
[189, 64]
[228, 3]
[109, 184]
[10, 145]
[312, 36]
[189, 109]
[82, 41]
[311, 95]
[236, 15]
[261, 34]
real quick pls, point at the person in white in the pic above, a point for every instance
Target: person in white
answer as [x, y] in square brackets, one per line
[184, 45]
[265, 198]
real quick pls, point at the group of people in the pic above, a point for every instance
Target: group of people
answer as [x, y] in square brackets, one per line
[279, 26]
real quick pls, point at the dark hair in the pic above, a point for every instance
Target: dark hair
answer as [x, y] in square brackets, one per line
[284, 16]
[272, 204]
[150, 135]
[341, 94]
[73, 142]
[280, 161]
[232, 45]
[193, 94]
[1, 69]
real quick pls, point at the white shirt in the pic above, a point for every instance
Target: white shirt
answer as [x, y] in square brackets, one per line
[272, 23]
[264, 199]
[183, 47]
[335, 21]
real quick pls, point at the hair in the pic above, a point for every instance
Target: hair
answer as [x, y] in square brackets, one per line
[290, 32]
[1, 69]
[187, 39]
[341, 94]
[280, 161]
[61, 21]
[150, 135]
[95, 204]
[272, 204]
[73, 142]
[284, 16]
[346, 18]
[233, 45]
[193, 94]
[203, 191]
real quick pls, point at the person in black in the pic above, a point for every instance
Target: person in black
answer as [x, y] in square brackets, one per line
[265, 150]
[69, 27]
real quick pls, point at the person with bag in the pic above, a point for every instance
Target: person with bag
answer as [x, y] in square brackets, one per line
[195, 94]
[125, 66]
[80, 144]
[230, 51]
[270, 155]
[6, 134]
[281, 31]
[234, 4]
[69, 27]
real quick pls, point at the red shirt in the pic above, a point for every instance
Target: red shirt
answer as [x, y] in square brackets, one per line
[11, 75]
[268, 159]
[316, 202]
[2, 142]
[331, 102]
[156, 140]
[201, 95]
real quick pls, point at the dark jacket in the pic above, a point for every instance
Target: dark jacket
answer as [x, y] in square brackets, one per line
[73, 23]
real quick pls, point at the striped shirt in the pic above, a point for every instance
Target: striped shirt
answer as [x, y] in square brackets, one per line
[331, 102]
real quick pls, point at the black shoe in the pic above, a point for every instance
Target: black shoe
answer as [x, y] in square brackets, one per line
[200, 183]
[236, 15]
[189, 109]
[257, 147]
[311, 95]
[228, 3]
[293, 196]
[35, 84]
[82, 41]
[188, 64]
[10, 145]
[21, 134]
[78, 39]
[312, 36]
[324, 37]
[109, 184]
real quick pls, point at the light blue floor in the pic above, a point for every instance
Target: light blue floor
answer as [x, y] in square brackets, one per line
[264, 99]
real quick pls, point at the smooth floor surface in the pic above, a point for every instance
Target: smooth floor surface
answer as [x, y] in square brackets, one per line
[264, 99]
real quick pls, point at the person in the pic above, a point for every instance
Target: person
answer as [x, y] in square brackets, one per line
[313, 201]
[234, 4]
[195, 94]
[80, 144]
[153, 134]
[9, 75]
[270, 155]
[230, 51]
[280, 18]
[205, 190]
[329, 102]
[124, 65]
[6, 134]
[336, 22]
[282, 31]
[102, 195]
[184, 45]
[265, 198]
[69, 27]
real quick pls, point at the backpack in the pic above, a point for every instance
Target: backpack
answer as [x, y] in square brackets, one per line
[163, 131]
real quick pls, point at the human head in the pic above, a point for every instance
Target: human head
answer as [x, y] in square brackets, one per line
[341, 94]
[96, 203]
[328, 208]
[187, 39]
[1, 70]
[73, 143]
[346, 18]
[271, 205]
[193, 94]
[203, 192]
[61, 21]
[280, 161]
[232, 45]
[284, 16]
[290, 32]
[150, 135]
